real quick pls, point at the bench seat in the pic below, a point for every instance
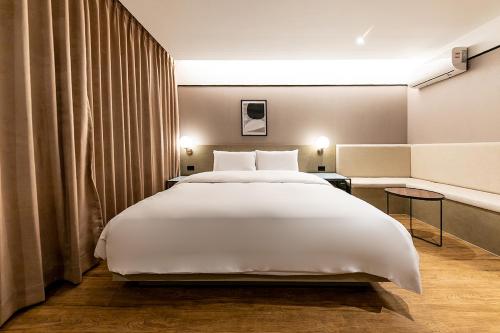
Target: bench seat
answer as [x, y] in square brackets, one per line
[484, 200]
[378, 182]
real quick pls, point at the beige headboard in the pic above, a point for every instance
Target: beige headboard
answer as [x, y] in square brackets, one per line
[374, 160]
[203, 159]
[470, 165]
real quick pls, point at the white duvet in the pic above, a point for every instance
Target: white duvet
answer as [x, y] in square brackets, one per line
[258, 222]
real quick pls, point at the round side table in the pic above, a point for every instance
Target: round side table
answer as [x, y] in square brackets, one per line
[418, 194]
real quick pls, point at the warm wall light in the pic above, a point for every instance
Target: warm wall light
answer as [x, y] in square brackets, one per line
[321, 144]
[188, 143]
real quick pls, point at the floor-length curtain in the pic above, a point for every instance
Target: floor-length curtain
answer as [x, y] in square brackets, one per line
[134, 103]
[88, 126]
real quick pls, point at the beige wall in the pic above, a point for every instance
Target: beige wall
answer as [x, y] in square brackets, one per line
[297, 115]
[465, 108]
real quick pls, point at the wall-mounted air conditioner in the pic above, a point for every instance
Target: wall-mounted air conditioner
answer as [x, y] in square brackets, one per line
[441, 69]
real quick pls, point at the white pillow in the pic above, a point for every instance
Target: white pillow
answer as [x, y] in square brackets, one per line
[228, 160]
[278, 160]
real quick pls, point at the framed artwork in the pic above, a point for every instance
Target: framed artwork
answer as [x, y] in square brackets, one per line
[253, 117]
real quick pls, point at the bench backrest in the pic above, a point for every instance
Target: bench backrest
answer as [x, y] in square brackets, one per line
[471, 165]
[374, 160]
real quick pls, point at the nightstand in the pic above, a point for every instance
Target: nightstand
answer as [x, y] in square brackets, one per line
[339, 181]
[171, 182]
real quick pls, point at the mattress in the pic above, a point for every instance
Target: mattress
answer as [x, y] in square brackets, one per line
[258, 222]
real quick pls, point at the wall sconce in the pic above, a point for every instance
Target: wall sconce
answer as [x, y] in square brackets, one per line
[321, 144]
[188, 143]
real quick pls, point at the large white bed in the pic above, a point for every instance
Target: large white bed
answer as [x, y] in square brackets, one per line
[274, 223]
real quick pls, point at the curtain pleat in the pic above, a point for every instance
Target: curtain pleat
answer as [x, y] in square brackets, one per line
[89, 126]
[21, 272]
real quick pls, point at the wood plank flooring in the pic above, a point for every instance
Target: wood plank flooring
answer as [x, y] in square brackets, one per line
[461, 294]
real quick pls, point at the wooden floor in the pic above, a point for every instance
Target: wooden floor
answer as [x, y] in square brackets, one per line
[461, 294]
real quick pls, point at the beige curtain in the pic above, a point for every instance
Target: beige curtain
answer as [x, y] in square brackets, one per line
[134, 103]
[88, 126]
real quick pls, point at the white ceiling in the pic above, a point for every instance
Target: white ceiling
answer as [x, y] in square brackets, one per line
[308, 29]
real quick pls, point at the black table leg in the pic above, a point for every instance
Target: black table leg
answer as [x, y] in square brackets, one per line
[440, 222]
[440, 244]
[387, 205]
[411, 217]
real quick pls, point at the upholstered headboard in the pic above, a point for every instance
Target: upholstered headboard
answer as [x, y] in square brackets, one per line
[203, 160]
[375, 160]
[470, 165]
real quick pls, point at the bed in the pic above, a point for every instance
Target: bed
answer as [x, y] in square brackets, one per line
[258, 225]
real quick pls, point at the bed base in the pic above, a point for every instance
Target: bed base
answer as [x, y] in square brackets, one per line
[350, 278]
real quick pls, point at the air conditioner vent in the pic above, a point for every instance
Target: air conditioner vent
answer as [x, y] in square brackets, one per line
[441, 69]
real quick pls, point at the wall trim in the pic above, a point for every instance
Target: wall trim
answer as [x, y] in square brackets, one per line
[292, 85]
[484, 52]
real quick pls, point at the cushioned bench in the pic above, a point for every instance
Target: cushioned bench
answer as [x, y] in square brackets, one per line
[485, 200]
[467, 174]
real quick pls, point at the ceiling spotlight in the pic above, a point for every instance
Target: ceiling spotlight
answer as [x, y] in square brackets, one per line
[360, 40]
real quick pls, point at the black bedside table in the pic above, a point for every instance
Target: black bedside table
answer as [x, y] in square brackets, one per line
[339, 181]
[171, 182]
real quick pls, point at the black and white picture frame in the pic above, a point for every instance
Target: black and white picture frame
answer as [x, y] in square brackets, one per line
[253, 117]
